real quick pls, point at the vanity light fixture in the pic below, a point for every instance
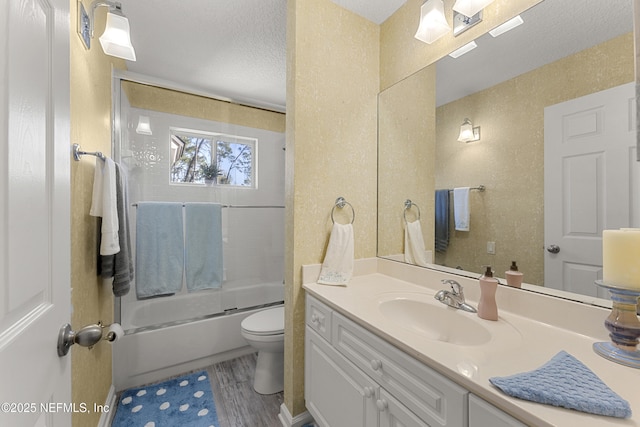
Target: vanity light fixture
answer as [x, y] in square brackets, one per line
[470, 7]
[468, 133]
[464, 49]
[507, 26]
[116, 39]
[144, 127]
[433, 23]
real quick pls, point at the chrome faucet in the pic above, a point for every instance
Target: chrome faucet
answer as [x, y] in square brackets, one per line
[455, 297]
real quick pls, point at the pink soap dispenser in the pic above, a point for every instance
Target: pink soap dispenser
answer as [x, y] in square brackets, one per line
[487, 307]
[514, 277]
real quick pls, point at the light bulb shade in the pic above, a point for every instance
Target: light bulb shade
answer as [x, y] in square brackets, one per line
[116, 40]
[433, 23]
[466, 132]
[144, 127]
[470, 7]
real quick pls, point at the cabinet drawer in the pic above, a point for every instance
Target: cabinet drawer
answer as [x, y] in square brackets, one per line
[484, 414]
[434, 398]
[318, 317]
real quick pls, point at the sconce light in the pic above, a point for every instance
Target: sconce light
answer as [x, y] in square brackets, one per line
[144, 126]
[433, 23]
[116, 39]
[468, 133]
[470, 7]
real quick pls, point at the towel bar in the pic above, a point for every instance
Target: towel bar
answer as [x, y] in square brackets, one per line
[78, 153]
[340, 203]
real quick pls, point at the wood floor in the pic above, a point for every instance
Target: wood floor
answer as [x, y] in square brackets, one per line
[238, 405]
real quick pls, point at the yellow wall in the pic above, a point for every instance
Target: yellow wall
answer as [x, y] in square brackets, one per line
[509, 158]
[406, 159]
[332, 83]
[91, 301]
[184, 104]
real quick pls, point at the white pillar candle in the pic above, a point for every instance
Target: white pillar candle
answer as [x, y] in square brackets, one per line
[621, 257]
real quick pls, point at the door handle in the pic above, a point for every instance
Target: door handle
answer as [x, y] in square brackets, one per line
[554, 249]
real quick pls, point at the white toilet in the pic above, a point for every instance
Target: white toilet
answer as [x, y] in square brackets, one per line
[264, 331]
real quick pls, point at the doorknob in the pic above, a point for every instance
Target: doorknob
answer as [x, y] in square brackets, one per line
[554, 249]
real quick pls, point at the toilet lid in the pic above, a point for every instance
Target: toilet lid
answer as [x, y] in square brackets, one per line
[265, 322]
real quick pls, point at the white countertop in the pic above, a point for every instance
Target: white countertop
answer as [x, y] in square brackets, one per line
[519, 343]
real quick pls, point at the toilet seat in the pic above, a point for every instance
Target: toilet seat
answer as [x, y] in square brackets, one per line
[265, 322]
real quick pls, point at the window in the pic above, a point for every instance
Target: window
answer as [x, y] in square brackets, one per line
[202, 158]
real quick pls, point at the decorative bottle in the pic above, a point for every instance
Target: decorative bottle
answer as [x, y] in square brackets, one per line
[487, 307]
[513, 276]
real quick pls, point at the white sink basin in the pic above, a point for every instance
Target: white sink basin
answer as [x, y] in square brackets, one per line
[434, 320]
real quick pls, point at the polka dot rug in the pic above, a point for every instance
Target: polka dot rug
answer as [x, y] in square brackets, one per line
[186, 401]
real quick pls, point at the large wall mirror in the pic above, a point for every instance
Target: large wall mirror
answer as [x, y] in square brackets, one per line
[549, 97]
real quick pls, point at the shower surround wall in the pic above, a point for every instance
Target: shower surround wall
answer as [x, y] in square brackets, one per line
[166, 335]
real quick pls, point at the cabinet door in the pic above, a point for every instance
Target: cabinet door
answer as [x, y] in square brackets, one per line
[395, 414]
[337, 393]
[484, 414]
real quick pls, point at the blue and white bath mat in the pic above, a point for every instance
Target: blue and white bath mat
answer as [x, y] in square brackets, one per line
[186, 401]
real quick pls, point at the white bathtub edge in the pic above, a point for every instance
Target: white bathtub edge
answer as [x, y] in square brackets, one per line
[154, 355]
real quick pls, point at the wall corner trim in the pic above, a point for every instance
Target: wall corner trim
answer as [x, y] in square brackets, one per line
[110, 402]
[288, 421]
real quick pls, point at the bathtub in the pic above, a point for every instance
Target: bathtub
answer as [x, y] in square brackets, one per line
[160, 341]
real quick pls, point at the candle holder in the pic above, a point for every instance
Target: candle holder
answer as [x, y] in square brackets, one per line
[623, 326]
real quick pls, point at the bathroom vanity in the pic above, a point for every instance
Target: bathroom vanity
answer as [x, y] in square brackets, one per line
[383, 352]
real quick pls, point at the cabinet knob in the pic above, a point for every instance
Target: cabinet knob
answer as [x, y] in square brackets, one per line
[368, 392]
[315, 319]
[382, 405]
[376, 364]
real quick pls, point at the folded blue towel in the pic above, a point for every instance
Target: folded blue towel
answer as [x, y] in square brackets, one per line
[203, 246]
[442, 220]
[159, 249]
[565, 381]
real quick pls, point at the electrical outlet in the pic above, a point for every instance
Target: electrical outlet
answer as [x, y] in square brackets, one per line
[491, 248]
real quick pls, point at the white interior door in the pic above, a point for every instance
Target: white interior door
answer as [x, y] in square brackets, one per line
[34, 212]
[589, 170]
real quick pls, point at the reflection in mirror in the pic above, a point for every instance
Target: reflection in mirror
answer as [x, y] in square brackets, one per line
[540, 64]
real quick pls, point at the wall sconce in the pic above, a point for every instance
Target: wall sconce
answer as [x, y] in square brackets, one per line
[433, 23]
[144, 126]
[468, 133]
[470, 7]
[116, 39]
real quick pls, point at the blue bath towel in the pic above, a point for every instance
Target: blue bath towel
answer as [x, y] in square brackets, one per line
[442, 220]
[159, 249]
[203, 246]
[565, 381]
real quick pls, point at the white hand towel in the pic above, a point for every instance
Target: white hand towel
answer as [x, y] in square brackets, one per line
[414, 250]
[104, 204]
[337, 267]
[461, 208]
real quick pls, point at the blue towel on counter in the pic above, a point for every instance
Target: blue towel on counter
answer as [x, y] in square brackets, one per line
[442, 220]
[159, 249]
[565, 381]
[203, 246]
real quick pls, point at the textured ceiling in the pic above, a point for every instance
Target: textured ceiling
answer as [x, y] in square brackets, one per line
[374, 10]
[236, 49]
[552, 30]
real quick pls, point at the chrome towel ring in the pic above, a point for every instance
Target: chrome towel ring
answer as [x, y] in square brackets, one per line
[340, 203]
[407, 205]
